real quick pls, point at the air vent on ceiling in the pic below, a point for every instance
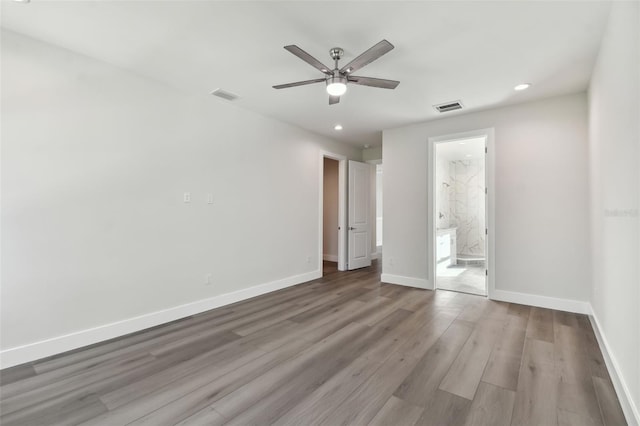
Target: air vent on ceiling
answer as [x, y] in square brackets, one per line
[225, 95]
[448, 106]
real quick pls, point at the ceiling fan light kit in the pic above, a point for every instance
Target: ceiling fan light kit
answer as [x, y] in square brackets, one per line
[336, 86]
[338, 78]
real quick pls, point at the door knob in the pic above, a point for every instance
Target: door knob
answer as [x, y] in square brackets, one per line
[351, 228]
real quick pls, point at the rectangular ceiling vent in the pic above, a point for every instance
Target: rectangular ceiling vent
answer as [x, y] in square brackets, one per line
[448, 106]
[225, 95]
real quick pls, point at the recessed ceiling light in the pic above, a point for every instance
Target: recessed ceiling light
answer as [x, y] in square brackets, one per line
[522, 86]
[462, 143]
[337, 127]
[22, 1]
[468, 155]
[367, 146]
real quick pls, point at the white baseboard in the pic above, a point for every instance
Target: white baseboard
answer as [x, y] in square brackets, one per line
[629, 408]
[566, 305]
[406, 281]
[374, 256]
[330, 257]
[45, 348]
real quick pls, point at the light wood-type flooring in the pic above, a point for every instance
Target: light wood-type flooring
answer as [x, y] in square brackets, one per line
[345, 349]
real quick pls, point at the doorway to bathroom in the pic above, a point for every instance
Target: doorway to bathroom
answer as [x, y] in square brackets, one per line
[460, 227]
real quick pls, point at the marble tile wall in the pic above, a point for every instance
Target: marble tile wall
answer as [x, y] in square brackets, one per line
[444, 189]
[467, 205]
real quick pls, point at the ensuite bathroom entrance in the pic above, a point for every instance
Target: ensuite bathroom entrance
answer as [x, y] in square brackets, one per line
[459, 194]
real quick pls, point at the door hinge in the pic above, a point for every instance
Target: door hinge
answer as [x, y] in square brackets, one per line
[486, 190]
[486, 272]
[486, 231]
[485, 150]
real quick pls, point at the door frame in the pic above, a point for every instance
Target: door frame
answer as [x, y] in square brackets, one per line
[342, 211]
[490, 201]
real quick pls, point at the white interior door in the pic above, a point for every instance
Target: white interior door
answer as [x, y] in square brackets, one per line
[359, 216]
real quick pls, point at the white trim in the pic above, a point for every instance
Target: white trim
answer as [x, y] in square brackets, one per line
[406, 281]
[490, 203]
[567, 305]
[330, 257]
[374, 255]
[342, 211]
[44, 348]
[629, 408]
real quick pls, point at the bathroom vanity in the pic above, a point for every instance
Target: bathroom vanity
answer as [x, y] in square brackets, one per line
[446, 246]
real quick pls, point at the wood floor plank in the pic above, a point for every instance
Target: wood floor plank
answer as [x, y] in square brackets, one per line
[417, 328]
[465, 373]
[373, 393]
[537, 394]
[74, 412]
[579, 396]
[444, 408]
[222, 360]
[419, 343]
[570, 354]
[503, 366]
[189, 395]
[518, 315]
[567, 319]
[422, 383]
[267, 385]
[341, 349]
[540, 325]
[492, 405]
[73, 386]
[398, 413]
[314, 408]
[208, 416]
[569, 418]
[594, 355]
[610, 408]
[15, 374]
[49, 402]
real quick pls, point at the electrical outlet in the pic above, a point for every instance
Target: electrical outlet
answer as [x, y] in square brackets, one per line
[391, 261]
[308, 259]
[209, 198]
[208, 279]
[187, 197]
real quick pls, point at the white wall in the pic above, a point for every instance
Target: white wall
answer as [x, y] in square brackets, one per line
[541, 196]
[330, 210]
[95, 162]
[372, 154]
[614, 111]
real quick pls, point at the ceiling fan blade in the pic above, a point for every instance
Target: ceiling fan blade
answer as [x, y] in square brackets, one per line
[308, 59]
[373, 82]
[334, 99]
[367, 57]
[299, 83]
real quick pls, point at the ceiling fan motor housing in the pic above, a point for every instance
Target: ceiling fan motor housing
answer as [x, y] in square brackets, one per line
[336, 53]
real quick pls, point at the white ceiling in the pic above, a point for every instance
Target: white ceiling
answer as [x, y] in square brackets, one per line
[473, 51]
[464, 149]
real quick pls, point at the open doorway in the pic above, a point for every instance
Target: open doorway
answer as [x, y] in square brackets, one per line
[330, 214]
[332, 238]
[460, 194]
[378, 210]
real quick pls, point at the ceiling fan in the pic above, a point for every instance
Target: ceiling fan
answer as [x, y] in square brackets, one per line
[337, 79]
